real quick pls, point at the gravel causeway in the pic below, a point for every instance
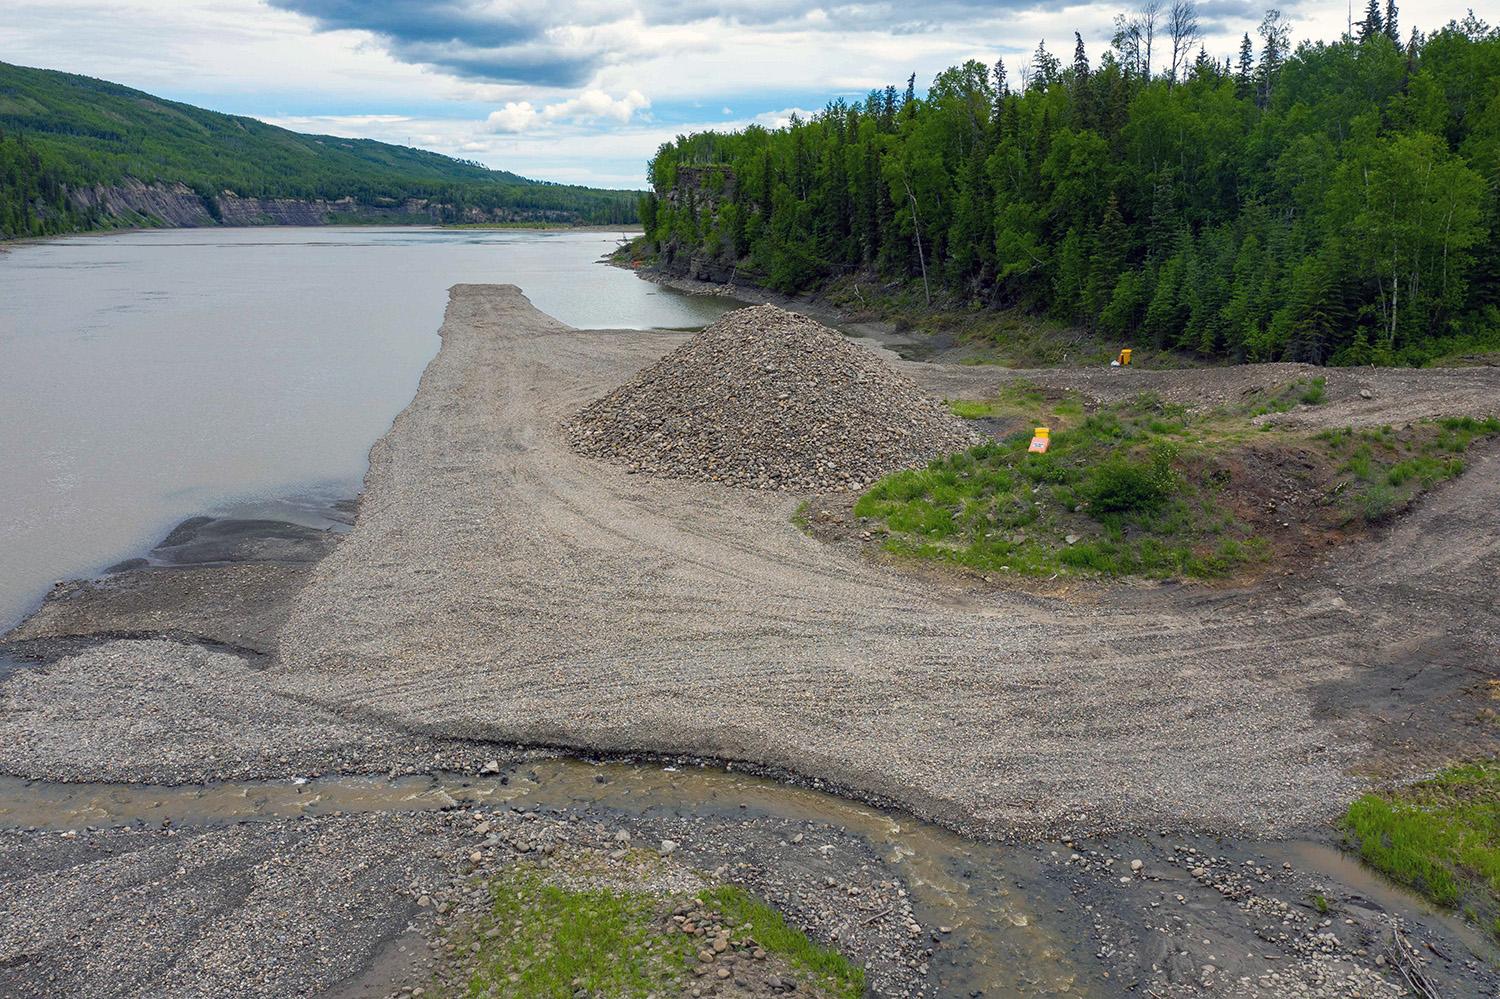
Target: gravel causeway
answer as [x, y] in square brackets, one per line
[500, 585]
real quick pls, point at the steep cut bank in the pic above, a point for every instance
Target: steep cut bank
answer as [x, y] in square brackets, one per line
[78, 153]
[772, 400]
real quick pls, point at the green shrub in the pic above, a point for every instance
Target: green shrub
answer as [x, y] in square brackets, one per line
[1119, 485]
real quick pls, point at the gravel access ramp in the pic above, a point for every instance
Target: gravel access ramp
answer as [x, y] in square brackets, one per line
[500, 585]
[773, 400]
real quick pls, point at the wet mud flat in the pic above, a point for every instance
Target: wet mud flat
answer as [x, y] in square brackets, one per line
[280, 828]
[224, 581]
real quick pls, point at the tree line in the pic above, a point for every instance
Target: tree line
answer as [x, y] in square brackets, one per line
[1334, 203]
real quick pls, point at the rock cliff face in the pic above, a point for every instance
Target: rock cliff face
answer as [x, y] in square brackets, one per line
[700, 189]
[179, 206]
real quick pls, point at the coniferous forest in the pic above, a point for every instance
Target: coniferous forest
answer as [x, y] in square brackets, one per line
[1332, 202]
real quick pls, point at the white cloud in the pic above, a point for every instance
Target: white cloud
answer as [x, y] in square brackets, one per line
[517, 116]
[589, 106]
[592, 105]
[782, 118]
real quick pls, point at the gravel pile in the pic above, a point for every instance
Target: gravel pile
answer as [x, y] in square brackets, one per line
[769, 399]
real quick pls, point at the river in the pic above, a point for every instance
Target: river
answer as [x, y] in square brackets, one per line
[147, 377]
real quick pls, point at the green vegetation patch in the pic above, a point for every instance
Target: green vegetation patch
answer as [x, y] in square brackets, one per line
[1022, 402]
[1381, 472]
[1305, 392]
[1135, 486]
[540, 940]
[553, 942]
[828, 969]
[1146, 488]
[1440, 837]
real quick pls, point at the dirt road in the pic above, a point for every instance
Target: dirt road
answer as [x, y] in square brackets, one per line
[499, 586]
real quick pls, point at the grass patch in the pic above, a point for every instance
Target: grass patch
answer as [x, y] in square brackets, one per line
[1022, 402]
[1133, 485]
[827, 968]
[1382, 472]
[1304, 392]
[966, 409]
[542, 941]
[1440, 837]
[802, 516]
[551, 938]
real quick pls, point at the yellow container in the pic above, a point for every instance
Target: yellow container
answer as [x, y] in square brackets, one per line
[1040, 441]
[1125, 358]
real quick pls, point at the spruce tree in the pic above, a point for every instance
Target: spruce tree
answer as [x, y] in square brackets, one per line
[1111, 244]
[1165, 221]
[1392, 30]
[1080, 60]
[1244, 77]
[1276, 41]
[1373, 24]
[1002, 92]
[1044, 65]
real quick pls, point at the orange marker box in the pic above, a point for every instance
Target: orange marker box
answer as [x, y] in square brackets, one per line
[1040, 441]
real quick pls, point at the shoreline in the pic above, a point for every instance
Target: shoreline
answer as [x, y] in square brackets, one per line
[10, 244]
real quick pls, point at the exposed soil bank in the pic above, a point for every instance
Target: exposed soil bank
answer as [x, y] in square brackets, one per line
[176, 206]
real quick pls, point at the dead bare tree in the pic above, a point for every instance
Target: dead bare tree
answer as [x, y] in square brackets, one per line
[916, 225]
[1183, 27]
[1403, 956]
[1134, 36]
[1149, 14]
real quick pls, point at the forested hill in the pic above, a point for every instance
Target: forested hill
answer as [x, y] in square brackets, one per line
[62, 134]
[1336, 202]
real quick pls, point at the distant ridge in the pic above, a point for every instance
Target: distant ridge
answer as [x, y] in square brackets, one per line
[78, 153]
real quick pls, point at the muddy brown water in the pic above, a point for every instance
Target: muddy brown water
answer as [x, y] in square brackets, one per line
[998, 945]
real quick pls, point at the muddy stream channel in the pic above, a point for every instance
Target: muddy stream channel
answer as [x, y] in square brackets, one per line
[1015, 928]
[998, 945]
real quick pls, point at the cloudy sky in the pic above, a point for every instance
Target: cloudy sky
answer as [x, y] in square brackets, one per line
[579, 91]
